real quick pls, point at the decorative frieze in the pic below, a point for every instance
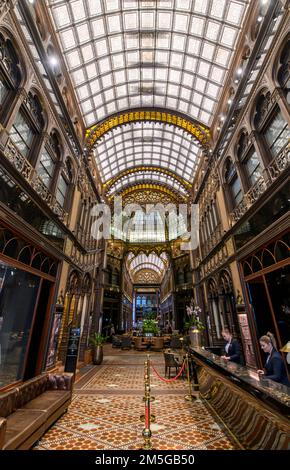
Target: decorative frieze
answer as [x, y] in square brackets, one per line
[211, 187]
[217, 260]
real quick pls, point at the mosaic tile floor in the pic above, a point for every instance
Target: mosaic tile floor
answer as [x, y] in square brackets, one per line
[107, 404]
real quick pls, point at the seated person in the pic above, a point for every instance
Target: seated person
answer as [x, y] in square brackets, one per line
[274, 368]
[232, 348]
[169, 328]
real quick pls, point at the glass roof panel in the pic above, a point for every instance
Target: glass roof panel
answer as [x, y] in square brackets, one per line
[149, 144]
[147, 177]
[156, 50]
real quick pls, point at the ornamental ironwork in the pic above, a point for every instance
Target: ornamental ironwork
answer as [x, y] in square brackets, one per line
[29, 173]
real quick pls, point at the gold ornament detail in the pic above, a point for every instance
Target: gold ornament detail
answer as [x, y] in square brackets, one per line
[200, 132]
[141, 169]
[146, 276]
[144, 194]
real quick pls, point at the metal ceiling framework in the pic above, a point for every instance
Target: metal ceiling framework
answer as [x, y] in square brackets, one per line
[147, 174]
[152, 262]
[148, 76]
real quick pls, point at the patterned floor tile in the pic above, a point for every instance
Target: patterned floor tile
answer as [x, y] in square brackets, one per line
[108, 402]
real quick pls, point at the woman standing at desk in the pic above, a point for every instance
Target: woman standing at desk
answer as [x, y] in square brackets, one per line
[232, 348]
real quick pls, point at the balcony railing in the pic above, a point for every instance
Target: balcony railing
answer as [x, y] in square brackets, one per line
[277, 166]
[29, 173]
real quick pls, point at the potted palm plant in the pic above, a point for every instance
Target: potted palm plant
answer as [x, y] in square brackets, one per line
[97, 340]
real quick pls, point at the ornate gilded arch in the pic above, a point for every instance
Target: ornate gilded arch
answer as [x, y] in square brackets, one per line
[199, 131]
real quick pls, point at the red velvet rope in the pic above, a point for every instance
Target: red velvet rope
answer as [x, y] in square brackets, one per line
[146, 416]
[169, 380]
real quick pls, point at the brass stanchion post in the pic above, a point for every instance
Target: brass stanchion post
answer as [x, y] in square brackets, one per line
[147, 384]
[190, 396]
[147, 417]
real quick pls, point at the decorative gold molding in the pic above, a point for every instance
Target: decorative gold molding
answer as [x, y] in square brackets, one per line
[148, 193]
[200, 132]
[141, 169]
[147, 276]
[147, 248]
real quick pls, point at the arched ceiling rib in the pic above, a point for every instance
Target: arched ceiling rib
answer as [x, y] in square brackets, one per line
[125, 54]
[152, 174]
[200, 132]
[152, 262]
[143, 259]
[147, 144]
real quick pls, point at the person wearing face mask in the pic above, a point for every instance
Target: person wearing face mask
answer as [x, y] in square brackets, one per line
[274, 368]
[232, 347]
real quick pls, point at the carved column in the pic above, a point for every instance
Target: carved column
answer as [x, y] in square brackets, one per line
[244, 180]
[99, 290]
[279, 98]
[57, 170]
[38, 149]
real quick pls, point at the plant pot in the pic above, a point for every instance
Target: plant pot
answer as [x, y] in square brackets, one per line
[98, 355]
[195, 338]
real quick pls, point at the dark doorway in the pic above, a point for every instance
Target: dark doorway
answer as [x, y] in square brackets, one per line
[33, 366]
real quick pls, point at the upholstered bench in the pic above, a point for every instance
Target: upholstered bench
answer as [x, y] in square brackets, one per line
[27, 411]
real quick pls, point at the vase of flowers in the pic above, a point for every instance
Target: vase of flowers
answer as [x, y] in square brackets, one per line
[193, 325]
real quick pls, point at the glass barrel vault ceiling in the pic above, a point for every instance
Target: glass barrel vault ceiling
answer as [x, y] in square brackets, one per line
[147, 176]
[126, 54]
[148, 144]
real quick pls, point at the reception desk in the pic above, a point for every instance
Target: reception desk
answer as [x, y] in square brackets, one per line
[256, 412]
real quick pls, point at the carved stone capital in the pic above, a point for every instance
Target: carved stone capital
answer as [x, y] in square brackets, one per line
[22, 93]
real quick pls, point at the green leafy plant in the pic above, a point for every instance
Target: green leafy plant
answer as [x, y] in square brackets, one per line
[97, 339]
[150, 326]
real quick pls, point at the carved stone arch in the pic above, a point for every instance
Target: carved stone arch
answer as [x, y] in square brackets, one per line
[260, 107]
[242, 143]
[212, 287]
[74, 283]
[228, 169]
[57, 143]
[225, 282]
[36, 91]
[86, 284]
[281, 67]
[14, 52]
